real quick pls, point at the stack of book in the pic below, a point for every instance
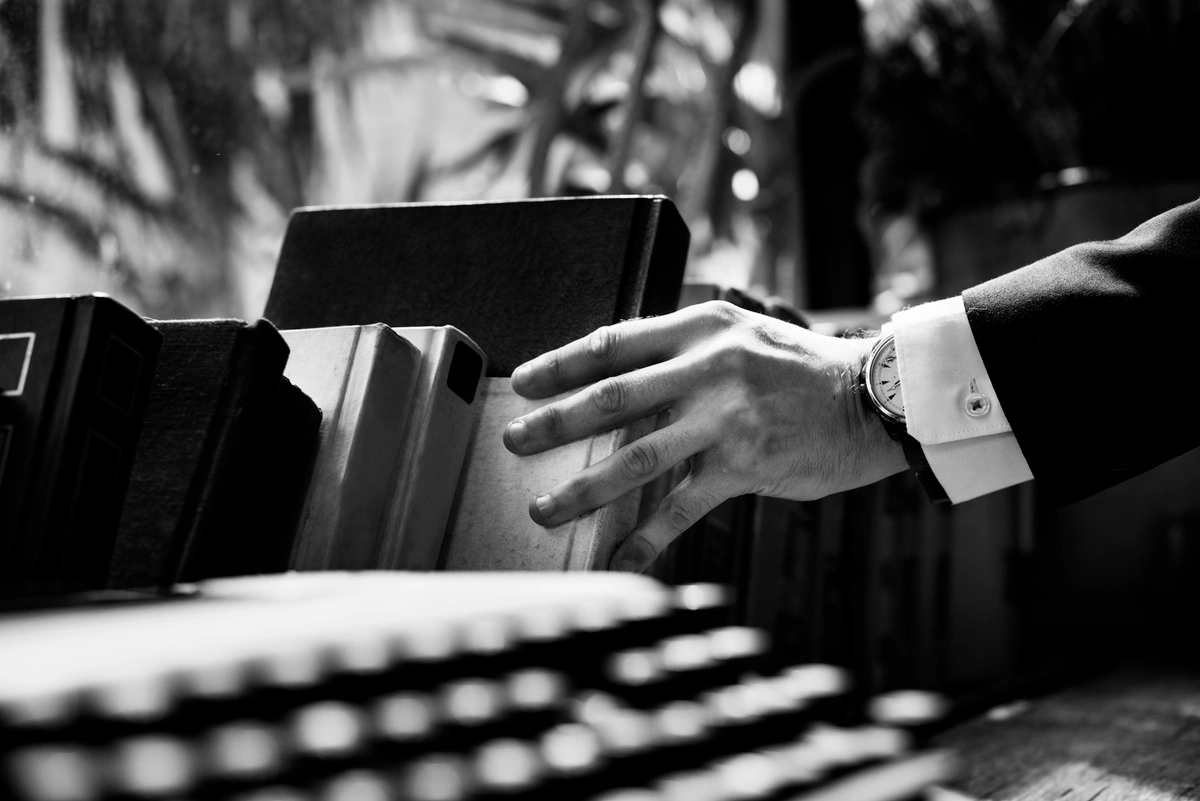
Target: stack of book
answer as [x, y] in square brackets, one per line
[356, 431]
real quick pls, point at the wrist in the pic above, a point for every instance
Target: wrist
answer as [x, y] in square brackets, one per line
[879, 454]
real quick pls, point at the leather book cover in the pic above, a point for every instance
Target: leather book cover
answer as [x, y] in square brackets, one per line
[75, 375]
[205, 421]
[283, 473]
[364, 379]
[522, 277]
[444, 412]
[490, 528]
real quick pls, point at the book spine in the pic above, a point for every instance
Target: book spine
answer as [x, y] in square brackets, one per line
[321, 363]
[443, 418]
[365, 377]
[284, 467]
[106, 366]
[31, 337]
[114, 387]
[216, 527]
[172, 464]
[382, 386]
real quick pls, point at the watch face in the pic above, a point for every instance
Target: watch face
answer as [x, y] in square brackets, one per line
[883, 379]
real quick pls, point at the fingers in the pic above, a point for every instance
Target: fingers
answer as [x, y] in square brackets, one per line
[607, 404]
[692, 499]
[612, 350]
[630, 467]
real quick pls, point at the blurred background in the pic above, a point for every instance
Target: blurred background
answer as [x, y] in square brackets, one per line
[825, 153]
[848, 156]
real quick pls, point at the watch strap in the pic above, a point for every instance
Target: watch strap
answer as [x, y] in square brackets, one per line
[915, 455]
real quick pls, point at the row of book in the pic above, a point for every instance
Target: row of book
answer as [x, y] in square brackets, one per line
[200, 448]
[143, 452]
[139, 453]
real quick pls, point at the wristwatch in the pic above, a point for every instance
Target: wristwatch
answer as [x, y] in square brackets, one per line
[879, 384]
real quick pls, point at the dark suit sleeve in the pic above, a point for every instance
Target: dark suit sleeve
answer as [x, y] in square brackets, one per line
[1093, 354]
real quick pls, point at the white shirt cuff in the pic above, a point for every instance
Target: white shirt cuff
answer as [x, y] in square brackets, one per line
[950, 405]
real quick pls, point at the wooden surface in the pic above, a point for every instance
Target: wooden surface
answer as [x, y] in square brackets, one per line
[1133, 733]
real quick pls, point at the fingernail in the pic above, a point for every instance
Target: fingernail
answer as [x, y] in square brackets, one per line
[521, 374]
[626, 566]
[545, 506]
[517, 432]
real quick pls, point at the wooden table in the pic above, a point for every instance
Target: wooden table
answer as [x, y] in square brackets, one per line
[1132, 733]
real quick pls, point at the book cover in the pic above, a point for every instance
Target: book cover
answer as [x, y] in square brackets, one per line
[205, 422]
[490, 528]
[75, 375]
[284, 470]
[522, 277]
[444, 410]
[364, 379]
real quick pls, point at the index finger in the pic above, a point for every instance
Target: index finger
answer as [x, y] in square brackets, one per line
[607, 351]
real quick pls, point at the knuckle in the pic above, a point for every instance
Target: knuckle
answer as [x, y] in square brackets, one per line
[603, 344]
[678, 513]
[638, 549]
[639, 460]
[577, 493]
[552, 421]
[730, 357]
[553, 366]
[723, 312]
[609, 396]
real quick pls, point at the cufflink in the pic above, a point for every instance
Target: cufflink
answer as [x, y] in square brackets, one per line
[977, 405]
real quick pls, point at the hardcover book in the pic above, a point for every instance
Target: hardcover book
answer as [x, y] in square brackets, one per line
[285, 467]
[444, 411]
[490, 528]
[523, 277]
[364, 378]
[75, 375]
[206, 421]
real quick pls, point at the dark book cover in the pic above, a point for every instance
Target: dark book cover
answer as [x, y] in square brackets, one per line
[519, 277]
[75, 376]
[207, 419]
[285, 465]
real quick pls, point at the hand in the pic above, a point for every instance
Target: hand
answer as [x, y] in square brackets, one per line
[753, 404]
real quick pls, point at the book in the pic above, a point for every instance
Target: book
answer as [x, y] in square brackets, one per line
[523, 277]
[364, 378]
[75, 376]
[444, 411]
[490, 528]
[284, 472]
[206, 420]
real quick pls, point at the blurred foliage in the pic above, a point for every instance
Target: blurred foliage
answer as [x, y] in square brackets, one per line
[171, 137]
[966, 99]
